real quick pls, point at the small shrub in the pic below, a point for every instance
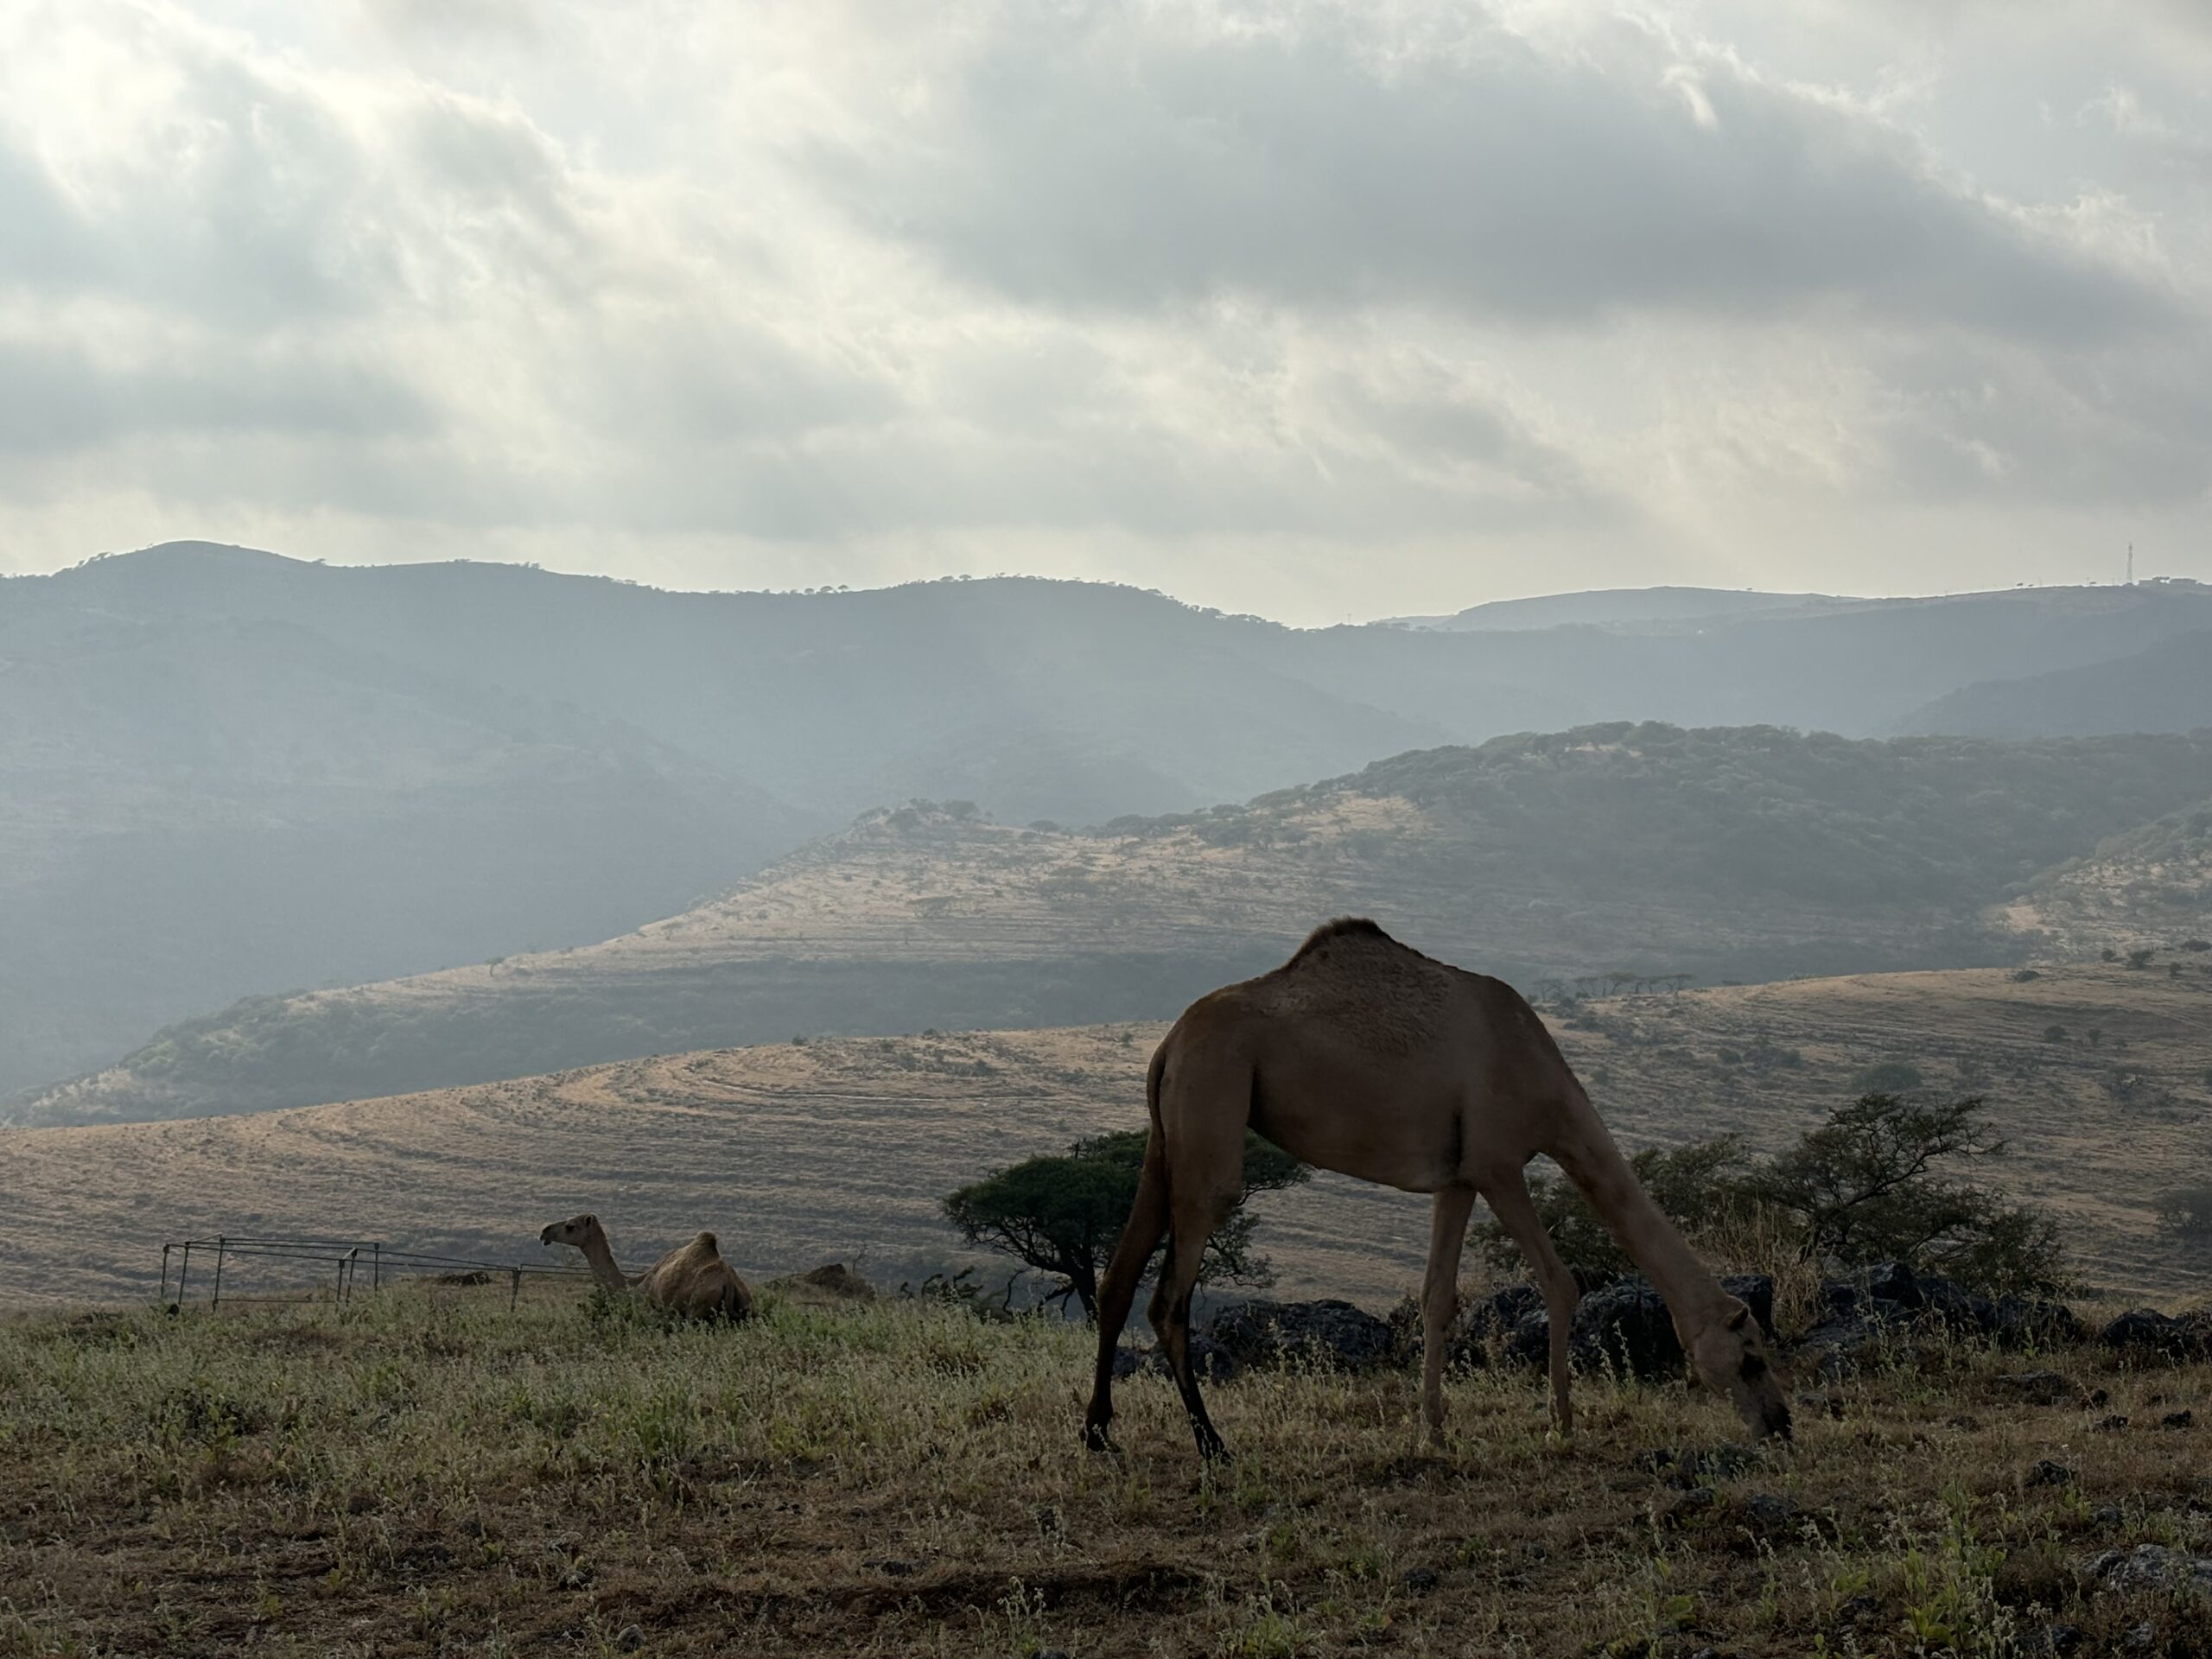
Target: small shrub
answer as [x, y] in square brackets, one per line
[2188, 1211]
[1889, 1077]
[1872, 1184]
[2054, 1033]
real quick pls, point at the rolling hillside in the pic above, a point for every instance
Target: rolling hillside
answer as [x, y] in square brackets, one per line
[839, 1148]
[2165, 688]
[225, 774]
[2150, 889]
[1744, 855]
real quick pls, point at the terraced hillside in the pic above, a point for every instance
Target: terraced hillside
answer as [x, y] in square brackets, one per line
[1744, 854]
[800, 1153]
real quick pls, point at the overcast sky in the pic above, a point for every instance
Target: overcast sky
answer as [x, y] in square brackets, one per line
[1309, 309]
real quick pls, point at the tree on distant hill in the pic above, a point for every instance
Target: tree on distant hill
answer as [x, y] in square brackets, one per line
[1063, 1214]
[1873, 1184]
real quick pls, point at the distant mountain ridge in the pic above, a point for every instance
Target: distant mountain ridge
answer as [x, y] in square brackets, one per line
[1748, 853]
[224, 773]
[1616, 607]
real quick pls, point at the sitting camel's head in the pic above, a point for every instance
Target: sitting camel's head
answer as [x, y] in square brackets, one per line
[1731, 1358]
[575, 1230]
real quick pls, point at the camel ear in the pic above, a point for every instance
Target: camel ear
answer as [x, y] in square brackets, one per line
[1740, 1318]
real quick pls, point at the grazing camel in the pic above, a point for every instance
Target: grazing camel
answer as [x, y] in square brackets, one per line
[1363, 1056]
[692, 1278]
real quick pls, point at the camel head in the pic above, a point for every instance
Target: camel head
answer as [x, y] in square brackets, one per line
[1732, 1358]
[577, 1231]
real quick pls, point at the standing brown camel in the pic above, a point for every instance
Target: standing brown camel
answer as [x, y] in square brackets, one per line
[691, 1278]
[1362, 1055]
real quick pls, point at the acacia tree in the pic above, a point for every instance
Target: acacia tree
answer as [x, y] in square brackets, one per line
[1878, 1181]
[1063, 1214]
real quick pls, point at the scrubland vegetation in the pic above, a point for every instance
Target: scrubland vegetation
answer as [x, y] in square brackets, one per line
[417, 1474]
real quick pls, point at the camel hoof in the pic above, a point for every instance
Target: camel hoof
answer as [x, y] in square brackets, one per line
[1095, 1439]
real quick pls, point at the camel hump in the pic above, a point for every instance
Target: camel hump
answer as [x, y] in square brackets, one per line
[706, 1241]
[1342, 927]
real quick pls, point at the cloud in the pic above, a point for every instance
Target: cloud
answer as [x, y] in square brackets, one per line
[1161, 293]
[1096, 155]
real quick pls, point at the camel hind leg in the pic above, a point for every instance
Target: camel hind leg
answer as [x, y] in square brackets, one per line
[1506, 1192]
[1140, 1235]
[1203, 1120]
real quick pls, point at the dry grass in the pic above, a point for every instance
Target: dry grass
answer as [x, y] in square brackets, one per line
[796, 1153]
[421, 1475]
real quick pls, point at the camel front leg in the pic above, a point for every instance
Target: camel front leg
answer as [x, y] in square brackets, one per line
[1440, 1297]
[1509, 1199]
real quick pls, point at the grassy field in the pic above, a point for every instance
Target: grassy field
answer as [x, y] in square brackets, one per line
[795, 1153]
[426, 1474]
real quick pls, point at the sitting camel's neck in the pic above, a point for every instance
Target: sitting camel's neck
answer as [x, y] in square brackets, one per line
[601, 1255]
[1594, 1164]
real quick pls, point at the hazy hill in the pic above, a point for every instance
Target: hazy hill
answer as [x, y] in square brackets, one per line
[841, 1148]
[223, 773]
[1648, 850]
[2166, 688]
[1615, 607]
[192, 810]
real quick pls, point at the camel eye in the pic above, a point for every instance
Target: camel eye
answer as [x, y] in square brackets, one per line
[1753, 1367]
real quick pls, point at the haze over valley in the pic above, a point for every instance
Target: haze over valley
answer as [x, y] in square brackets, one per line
[237, 775]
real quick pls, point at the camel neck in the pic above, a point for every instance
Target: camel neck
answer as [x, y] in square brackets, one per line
[1594, 1164]
[601, 1255]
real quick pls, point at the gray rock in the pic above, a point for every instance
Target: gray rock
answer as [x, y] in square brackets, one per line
[1331, 1332]
[630, 1637]
[2032, 1322]
[2152, 1567]
[2147, 1332]
[1770, 1511]
[1625, 1328]
[2049, 1473]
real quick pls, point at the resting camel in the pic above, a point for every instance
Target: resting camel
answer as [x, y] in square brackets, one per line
[1363, 1056]
[692, 1278]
